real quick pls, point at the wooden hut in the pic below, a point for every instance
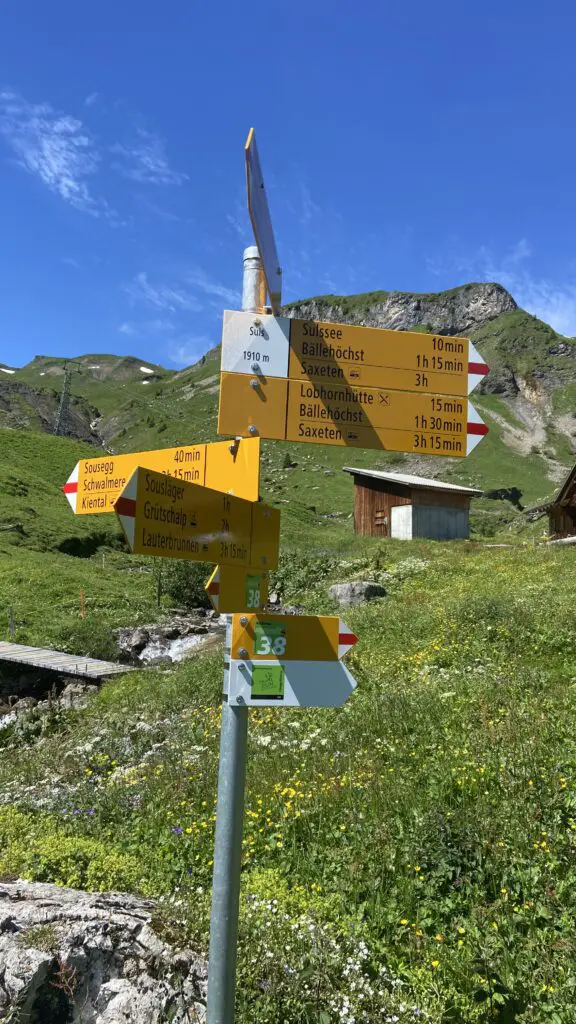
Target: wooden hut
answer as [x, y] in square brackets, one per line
[403, 506]
[562, 510]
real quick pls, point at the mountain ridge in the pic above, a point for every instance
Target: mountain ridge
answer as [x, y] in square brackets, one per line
[528, 399]
[455, 311]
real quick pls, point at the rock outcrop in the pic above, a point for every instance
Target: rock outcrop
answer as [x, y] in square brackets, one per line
[23, 407]
[455, 312]
[357, 592]
[91, 958]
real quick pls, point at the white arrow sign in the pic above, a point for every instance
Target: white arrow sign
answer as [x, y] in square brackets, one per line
[296, 684]
[288, 661]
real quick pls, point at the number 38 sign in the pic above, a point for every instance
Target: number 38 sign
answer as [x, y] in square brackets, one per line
[269, 638]
[288, 659]
[233, 589]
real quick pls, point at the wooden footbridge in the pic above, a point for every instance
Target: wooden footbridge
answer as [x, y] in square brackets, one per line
[60, 662]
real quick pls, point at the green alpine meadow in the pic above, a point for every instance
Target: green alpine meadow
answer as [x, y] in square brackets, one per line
[410, 856]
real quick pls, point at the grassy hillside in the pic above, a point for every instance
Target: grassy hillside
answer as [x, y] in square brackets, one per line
[527, 345]
[104, 381]
[33, 468]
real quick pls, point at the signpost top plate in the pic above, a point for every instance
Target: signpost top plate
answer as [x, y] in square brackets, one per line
[331, 353]
[261, 222]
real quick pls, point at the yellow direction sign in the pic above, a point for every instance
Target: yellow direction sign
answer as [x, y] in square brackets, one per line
[237, 590]
[290, 637]
[290, 660]
[327, 353]
[95, 484]
[173, 519]
[348, 415]
[372, 357]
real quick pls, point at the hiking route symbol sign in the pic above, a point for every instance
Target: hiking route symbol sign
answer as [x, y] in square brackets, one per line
[235, 590]
[288, 660]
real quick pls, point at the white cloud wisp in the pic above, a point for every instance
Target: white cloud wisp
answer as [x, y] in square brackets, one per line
[54, 147]
[199, 279]
[554, 302]
[146, 161]
[551, 301]
[168, 298]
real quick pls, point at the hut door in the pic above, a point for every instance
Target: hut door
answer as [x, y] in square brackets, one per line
[381, 522]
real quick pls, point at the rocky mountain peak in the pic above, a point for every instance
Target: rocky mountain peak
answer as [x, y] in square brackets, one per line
[458, 311]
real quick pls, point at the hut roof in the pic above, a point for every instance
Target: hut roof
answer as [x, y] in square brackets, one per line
[567, 492]
[406, 480]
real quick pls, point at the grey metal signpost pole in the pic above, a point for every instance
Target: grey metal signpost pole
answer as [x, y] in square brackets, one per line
[227, 855]
[231, 784]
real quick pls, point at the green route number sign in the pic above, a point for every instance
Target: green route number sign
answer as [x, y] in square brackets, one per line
[253, 584]
[270, 638]
[267, 682]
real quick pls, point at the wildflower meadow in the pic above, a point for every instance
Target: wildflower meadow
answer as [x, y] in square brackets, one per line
[407, 857]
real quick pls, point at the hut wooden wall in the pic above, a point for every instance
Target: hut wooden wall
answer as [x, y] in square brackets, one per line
[372, 505]
[562, 513]
[374, 499]
[562, 521]
[445, 499]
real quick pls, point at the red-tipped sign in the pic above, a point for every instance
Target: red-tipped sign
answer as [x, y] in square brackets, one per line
[71, 487]
[237, 590]
[476, 429]
[171, 518]
[94, 484]
[346, 639]
[477, 368]
[289, 660]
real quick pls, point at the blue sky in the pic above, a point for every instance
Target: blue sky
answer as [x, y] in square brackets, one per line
[405, 145]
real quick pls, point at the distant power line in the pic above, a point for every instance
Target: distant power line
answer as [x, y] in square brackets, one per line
[64, 403]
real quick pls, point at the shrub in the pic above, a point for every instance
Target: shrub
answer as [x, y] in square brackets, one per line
[297, 573]
[184, 582]
[90, 637]
[32, 847]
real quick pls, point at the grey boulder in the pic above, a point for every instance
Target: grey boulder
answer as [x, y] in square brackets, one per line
[356, 593]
